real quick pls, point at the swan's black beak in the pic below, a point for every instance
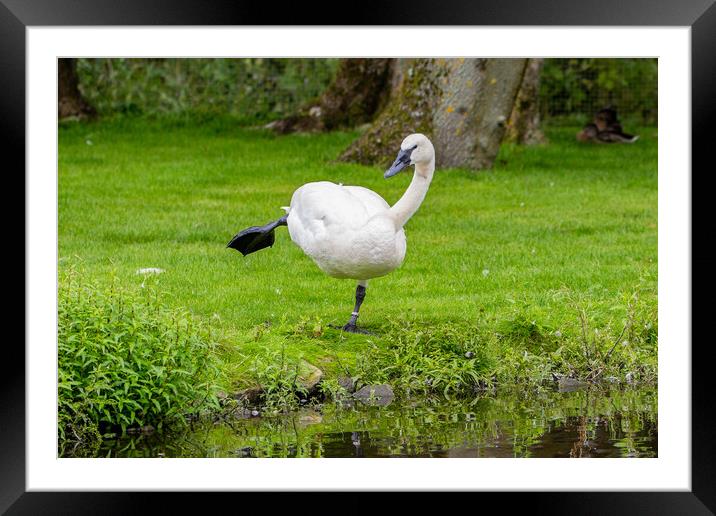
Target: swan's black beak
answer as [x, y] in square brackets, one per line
[402, 161]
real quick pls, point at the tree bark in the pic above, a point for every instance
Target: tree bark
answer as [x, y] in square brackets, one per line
[358, 91]
[409, 110]
[70, 100]
[462, 105]
[524, 124]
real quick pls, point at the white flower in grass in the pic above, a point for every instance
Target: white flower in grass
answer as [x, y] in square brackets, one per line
[485, 272]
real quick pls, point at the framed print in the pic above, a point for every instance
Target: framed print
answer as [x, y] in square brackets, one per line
[564, 273]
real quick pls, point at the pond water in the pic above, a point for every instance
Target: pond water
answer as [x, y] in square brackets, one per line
[509, 423]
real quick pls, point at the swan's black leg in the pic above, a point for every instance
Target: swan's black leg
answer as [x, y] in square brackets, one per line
[351, 324]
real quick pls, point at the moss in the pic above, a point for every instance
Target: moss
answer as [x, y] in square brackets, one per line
[410, 110]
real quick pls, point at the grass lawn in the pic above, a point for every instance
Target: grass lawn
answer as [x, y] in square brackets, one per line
[542, 260]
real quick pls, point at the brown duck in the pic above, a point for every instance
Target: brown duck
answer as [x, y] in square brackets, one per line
[605, 128]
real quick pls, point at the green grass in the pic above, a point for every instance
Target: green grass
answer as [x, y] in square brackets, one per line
[539, 261]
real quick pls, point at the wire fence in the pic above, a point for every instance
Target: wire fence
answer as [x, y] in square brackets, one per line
[573, 90]
[259, 90]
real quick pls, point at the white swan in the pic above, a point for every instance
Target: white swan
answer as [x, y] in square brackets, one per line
[350, 231]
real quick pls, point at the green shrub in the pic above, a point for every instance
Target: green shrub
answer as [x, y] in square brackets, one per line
[278, 377]
[126, 361]
[521, 331]
[255, 90]
[418, 359]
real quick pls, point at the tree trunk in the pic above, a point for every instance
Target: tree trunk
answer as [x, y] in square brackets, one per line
[358, 91]
[524, 124]
[462, 105]
[70, 100]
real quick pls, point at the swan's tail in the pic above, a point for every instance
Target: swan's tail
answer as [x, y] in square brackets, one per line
[256, 238]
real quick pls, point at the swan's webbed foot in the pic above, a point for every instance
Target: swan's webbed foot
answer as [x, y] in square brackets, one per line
[353, 328]
[256, 238]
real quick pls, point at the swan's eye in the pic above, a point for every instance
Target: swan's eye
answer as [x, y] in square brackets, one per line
[403, 160]
[407, 154]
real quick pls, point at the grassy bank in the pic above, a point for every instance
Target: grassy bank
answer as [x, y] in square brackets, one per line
[548, 263]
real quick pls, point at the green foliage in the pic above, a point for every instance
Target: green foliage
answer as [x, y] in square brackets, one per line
[520, 330]
[444, 359]
[253, 90]
[575, 89]
[125, 360]
[277, 377]
[455, 358]
[584, 346]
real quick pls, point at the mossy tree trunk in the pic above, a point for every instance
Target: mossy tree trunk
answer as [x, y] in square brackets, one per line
[461, 104]
[71, 103]
[359, 90]
[524, 124]
[410, 106]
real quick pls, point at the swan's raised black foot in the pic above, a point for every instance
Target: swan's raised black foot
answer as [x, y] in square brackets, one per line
[256, 238]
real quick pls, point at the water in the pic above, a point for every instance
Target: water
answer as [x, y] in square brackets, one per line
[583, 423]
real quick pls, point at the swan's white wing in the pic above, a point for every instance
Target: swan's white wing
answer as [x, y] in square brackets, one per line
[372, 202]
[324, 204]
[317, 209]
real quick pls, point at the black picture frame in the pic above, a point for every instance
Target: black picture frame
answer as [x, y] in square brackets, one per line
[699, 15]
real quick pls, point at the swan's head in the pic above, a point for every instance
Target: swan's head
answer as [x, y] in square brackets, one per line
[415, 149]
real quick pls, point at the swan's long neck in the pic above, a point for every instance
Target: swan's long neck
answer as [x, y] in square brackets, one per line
[409, 203]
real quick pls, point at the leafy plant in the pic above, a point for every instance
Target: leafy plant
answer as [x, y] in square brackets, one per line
[124, 360]
[430, 360]
[278, 378]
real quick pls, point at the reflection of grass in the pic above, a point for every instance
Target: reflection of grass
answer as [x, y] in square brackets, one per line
[510, 424]
[501, 262]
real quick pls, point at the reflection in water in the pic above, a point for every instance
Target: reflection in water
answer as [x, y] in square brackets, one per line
[585, 423]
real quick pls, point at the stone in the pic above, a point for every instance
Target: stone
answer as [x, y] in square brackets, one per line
[347, 383]
[309, 417]
[240, 413]
[380, 395]
[567, 384]
[250, 395]
[309, 376]
[246, 451]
